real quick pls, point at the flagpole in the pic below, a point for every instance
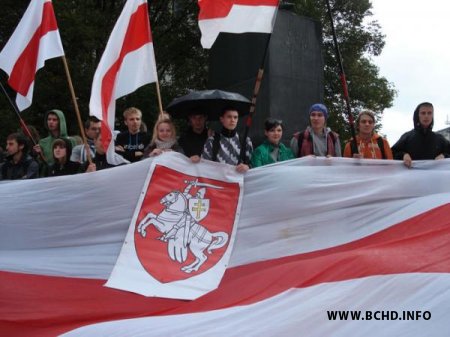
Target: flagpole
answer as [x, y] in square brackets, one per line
[77, 111]
[158, 93]
[258, 82]
[343, 79]
[23, 125]
[16, 110]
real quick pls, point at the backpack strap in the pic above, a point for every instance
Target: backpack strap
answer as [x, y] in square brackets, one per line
[381, 147]
[215, 146]
[353, 147]
[301, 136]
[243, 152]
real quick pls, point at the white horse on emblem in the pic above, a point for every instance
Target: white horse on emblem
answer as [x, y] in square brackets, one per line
[181, 231]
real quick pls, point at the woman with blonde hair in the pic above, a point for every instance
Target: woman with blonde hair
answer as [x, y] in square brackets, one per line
[164, 137]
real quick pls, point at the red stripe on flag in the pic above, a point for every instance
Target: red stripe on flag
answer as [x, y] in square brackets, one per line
[44, 306]
[214, 9]
[24, 70]
[138, 34]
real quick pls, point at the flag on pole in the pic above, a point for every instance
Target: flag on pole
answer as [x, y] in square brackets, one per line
[235, 16]
[35, 40]
[318, 240]
[127, 63]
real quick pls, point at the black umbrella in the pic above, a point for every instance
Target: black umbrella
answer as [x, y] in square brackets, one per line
[211, 102]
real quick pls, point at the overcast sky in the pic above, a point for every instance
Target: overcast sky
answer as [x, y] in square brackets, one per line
[416, 58]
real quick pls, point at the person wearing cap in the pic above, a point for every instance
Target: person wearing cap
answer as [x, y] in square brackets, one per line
[193, 140]
[272, 150]
[421, 143]
[369, 144]
[317, 139]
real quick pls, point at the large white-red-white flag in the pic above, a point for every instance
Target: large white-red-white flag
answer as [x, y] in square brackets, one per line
[35, 40]
[127, 63]
[235, 16]
[324, 247]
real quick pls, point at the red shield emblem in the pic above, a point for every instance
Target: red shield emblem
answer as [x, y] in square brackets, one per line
[184, 224]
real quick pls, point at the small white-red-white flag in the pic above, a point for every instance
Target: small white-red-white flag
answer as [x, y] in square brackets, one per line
[235, 16]
[128, 63]
[35, 40]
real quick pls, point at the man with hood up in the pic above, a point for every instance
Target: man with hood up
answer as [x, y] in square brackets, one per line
[421, 143]
[55, 123]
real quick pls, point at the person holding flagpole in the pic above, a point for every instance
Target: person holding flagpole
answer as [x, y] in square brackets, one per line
[55, 123]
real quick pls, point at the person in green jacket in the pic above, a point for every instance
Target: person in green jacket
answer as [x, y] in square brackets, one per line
[55, 123]
[272, 150]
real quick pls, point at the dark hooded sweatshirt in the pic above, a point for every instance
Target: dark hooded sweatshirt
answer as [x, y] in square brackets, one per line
[421, 143]
[68, 168]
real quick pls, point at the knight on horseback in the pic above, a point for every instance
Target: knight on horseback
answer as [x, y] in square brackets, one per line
[179, 224]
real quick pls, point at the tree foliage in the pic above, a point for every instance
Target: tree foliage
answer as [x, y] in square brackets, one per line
[182, 64]
[359, 39]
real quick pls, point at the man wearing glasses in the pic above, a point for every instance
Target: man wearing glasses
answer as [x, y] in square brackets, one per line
[92, 130]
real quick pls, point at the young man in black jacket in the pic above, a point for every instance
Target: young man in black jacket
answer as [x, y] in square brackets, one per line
[19, 164]
[421, 143]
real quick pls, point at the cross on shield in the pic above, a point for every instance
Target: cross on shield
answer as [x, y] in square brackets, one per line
[198, 208]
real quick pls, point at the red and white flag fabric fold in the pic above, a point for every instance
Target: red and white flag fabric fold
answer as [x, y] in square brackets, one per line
[325, 246]
[127, 63]
[235, 16]
[35, 40]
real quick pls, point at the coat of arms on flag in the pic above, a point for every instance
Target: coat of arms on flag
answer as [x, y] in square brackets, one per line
[182, 232]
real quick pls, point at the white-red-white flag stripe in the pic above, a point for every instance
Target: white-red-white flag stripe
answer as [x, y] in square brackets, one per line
[235, 16]
[35, 40]
[127, 63]
[314, 234]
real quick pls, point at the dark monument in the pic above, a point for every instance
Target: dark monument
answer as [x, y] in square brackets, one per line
[293, 72]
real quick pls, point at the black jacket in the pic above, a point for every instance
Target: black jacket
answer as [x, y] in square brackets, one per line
[192, 143]
[132, 144]
[421, 143]
[26, 168]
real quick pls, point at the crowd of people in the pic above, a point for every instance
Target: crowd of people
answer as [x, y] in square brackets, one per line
[58, 154]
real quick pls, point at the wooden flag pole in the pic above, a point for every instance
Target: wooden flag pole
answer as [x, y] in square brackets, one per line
[343, 78]
[158, 93]
[258, 82]
[77, 111]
